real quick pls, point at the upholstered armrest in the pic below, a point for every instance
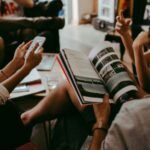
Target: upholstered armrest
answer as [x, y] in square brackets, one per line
[41, 23]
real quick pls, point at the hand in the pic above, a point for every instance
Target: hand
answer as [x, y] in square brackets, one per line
[19, 55]
[142, 39]
[32, 59]
[122, 24]
[8, 10]
[102, 111]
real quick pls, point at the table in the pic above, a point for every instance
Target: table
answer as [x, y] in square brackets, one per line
[30, 101]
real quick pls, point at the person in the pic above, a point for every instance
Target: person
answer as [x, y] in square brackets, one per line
[133, 113]
[135, 49]
[63, 104]
[10, 76]
[16, 26]
[59, 102]
[18, 68]
[130, 129]
[12, 9]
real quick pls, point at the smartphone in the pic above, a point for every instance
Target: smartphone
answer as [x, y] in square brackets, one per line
[38, 39]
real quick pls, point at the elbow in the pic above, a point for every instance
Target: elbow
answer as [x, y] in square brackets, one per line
[136, 46]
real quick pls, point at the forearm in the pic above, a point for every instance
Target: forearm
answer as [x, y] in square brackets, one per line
[98, 137]
[143, 72]
[127, 41]
[15, 79]
[9, 70]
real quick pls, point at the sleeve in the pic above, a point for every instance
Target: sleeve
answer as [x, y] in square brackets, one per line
[4, 94]
[121, 133]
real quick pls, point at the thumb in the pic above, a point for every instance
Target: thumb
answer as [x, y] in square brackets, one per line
[40, 51]
[106, 98]
[128, 21]
[121, 14]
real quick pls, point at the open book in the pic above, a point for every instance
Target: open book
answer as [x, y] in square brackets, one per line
[97, 74]
[32, 77]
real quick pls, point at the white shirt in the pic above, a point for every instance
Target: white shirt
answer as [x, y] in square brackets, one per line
[131, 128]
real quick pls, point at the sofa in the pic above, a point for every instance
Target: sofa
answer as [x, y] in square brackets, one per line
[14, 30]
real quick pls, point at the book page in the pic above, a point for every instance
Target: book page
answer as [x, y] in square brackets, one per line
[111, 70]
[21, 88]
[32, 89]
[88, 85]
[92, 90]
[80, 64]
[33, 76]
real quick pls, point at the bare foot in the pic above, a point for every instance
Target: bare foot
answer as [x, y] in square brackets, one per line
[26, 117]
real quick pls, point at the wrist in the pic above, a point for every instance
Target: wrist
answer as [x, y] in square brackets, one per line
[125, 34]
[26, 69]
[99, 127]
[99, 124]
[16, 64]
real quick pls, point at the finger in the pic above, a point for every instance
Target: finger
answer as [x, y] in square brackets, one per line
[118, 24]
[128, 22]
[40, 51]
[117, 18]
[121, 19]
[106, 98]
[121, 14]
[26, 46]
[117, 29]
[21, 45]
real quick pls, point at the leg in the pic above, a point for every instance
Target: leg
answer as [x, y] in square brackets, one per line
[56, 103]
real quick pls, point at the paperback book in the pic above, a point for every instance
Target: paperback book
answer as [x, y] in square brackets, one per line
[95, 75]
